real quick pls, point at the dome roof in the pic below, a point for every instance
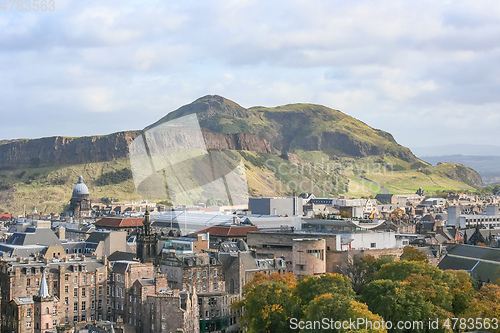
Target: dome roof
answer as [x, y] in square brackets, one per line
[80, 188]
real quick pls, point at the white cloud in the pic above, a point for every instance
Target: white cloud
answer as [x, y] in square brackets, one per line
[403, 66]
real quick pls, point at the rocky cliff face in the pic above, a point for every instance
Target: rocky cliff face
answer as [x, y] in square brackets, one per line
[238, 141]
[64, 151]
[69, 151]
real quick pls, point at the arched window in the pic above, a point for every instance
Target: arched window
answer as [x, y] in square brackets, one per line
[231, 286]
[47, 310]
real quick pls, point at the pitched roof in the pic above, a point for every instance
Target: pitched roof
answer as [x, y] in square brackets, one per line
[119, 222]
[118, 255]
[233, 230]
[34, 236]
[482, 262]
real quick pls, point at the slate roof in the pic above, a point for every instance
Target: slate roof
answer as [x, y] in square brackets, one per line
[97, 236]
[483, 263]
[120, 256]
[33, 236]
[119, 222]
[227, 231]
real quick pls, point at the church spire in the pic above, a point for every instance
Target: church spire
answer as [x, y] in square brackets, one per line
[147, 222]
[44, 288]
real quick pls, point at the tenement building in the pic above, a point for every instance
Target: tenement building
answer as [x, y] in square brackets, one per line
[74, 287]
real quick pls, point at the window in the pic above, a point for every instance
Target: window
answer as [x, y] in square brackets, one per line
[28, 282]
[373, 245]
[92, 279]
[75, 292]
[66, 289]
[84, 279]
[215, 272]
[47, 310]
[54, 310]
[75, 319]
[317, 253]
[99, 304]
[84, 305]
[54, 322]
[75, 280]
[84, 318]
[28, 312]
[100, 277]
[216, 286]
[75, 307]
[100, 291]
[66, 277]
[28, 324]
[83, 292]
[93, 291]
[92, 305]
[66, 300]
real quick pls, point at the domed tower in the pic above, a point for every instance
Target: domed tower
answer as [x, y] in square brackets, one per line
[80, 200]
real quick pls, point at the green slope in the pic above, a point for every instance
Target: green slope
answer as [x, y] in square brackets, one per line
[312, 149]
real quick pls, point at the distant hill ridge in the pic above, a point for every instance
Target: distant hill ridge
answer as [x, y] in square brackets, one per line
[226, 125]
[273, 142]
[289, 127]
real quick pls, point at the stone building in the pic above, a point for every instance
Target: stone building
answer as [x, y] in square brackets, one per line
[33, 314]
[78, 284]
[154, 307]
[80, 204]
[122, 275]
[170, 311]
[147, 242]
[200, 274]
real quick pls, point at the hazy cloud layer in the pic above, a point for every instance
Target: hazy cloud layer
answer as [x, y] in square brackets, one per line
[425, 71]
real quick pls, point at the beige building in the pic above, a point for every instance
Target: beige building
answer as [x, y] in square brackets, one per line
[77, 286]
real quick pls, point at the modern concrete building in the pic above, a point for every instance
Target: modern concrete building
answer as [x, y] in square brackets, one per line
[290, 206]
[490, 220]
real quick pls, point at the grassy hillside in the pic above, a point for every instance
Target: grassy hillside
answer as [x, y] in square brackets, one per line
[287, 149]
[50, 188]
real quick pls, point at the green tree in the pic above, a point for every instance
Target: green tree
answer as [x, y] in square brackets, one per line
[362, 270]
[411, 253]
[269, 303]
[485, 305]
[311, 287]
[339, 308]
[397, 301]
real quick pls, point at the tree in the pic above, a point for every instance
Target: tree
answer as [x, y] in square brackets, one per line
[411, 253]
[339, 308]
[362, 270]
[398, 301]
[311, 287]
[269, 303]
[463, 291]
[485, 305]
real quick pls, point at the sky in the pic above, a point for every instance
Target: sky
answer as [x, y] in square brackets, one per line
[426, 71]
